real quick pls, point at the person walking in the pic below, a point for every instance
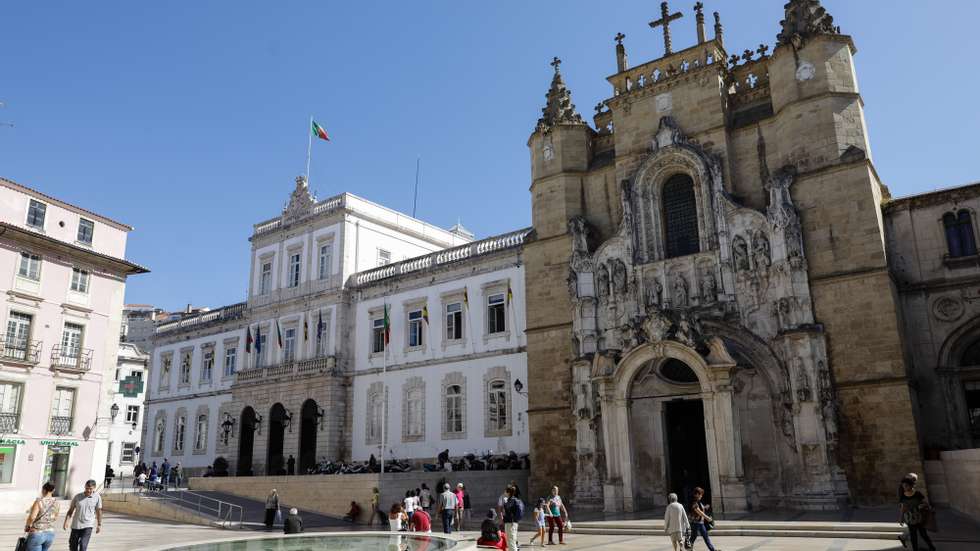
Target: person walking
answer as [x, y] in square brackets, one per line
[271, 507]
[539, 521]
[85, 513]
[375, 506]
[699, 520]
[557, 516]
[446, 509]
[409, 503]
[460, 505]
[914, 508]
[293, 523]
[513, 513]
[291, 465]
[165, 473]
[176, 475]
[41, 519]
[425, 497]
[676, 523]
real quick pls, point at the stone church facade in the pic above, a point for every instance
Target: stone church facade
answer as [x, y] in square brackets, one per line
[730, 319]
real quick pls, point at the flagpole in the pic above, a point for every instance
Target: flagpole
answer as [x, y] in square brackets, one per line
[309, 148]
[384, 394]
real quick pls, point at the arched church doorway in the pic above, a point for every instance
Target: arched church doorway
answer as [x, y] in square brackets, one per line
[246, 441]
[275, 463]
[309, 423]
[667, 427]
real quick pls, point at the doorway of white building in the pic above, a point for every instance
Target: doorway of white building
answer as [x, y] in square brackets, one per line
[56, 468]
[687, 453]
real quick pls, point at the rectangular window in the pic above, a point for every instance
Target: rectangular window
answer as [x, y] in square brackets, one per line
[86, 229]
[377, 335]
[79, 280]
[9, 407]
[231, 357]
[132, 414]
[265, 279]
[128, 452]
[289, 344]
[260, 350]
[416, 421]
[293, 280]
[71, 341]
[30, 266]
[454, 409]
[454, 321]
[35, 214]
[179, 425]
[325, 262]
[496, 314]
[207, 365]
[384, 257]
[415, 328]
[17, 345]
[62, 408]
[165, 363]
[497, 406]
[185, 369]
[972, 389]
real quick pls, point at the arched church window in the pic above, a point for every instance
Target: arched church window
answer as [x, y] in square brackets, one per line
[677, 371]
[960, 240]
[971, 355]
[680, 215]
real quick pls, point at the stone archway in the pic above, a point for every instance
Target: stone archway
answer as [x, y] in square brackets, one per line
[275, 463]
[308, 426]
[246, 441]
[714, 391]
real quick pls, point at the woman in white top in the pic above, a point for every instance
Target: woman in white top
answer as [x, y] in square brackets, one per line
[409, 504]
[397, 518]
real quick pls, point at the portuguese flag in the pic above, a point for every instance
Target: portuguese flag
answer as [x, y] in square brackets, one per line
[387, 326]
[319, 132]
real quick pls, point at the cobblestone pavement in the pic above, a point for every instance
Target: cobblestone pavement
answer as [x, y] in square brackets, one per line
[129, 533]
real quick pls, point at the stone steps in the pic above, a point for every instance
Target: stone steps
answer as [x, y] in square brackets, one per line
[854, 530]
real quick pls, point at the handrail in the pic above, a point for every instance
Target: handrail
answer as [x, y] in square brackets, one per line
[222, 512]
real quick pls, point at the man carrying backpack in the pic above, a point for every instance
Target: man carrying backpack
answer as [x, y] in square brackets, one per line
[513, 513]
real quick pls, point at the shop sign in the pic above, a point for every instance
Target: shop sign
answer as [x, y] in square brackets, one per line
[12, 442]
[62, 443]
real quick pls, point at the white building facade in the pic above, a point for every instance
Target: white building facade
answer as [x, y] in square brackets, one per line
[304, 365]
[63, 274]
[126, 396]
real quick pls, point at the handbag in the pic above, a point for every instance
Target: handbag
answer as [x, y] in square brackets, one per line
[21, 544]
[709, 525]
[568, 526]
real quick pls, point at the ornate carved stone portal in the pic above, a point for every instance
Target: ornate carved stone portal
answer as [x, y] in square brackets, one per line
[737, 313]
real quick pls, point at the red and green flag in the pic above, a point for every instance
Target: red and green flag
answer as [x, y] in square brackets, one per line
[319, 131]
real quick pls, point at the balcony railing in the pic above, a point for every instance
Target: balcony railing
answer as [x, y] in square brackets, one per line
[60, 425]
[233, 311]
[20, 350]
[9, 422]
[302, 368]
[71, 359]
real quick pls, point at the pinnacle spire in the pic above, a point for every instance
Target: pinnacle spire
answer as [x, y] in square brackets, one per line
[559, 109]
[804, 19]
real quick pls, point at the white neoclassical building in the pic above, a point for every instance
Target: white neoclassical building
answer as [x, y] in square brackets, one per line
[63, 276]
[298, 372]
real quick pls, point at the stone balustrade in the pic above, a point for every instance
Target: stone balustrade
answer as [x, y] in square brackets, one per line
[444, 257]
[312, 366]
[658, 70]
[221, 314]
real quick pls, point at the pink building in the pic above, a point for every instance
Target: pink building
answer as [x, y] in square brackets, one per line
[62, 278]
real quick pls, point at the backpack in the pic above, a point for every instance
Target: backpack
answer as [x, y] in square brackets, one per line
[516, 509]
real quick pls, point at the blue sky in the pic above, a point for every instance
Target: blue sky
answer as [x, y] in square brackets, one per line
[188, 120]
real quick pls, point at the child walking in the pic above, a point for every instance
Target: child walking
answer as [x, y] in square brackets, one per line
[539, 521]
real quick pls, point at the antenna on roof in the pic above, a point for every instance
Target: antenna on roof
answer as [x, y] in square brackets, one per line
[418, 172]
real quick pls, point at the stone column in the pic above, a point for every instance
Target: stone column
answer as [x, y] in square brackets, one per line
[730, 492]
[617, 488]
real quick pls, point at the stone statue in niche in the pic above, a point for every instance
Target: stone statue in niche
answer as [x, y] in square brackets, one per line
[803, 391]
[740, 251]
[760, 251]
[824, 386]
[602, 281]
[781, 309]
[709, 286]
[579, 229]
[794, 241]
[619, 277]
[655, 292]
[572, 282]
[688, 331]
[680, 291]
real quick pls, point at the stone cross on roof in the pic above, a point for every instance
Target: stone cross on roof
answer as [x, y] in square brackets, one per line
[619, 38]
[665, 18]
[555, 62]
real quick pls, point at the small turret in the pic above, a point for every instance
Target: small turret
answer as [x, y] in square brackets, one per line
[805, 19]
[559, 108]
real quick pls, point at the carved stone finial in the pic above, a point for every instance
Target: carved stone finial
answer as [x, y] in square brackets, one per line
[300, 200]
[761, 50]
[621, 63]
[619, 38]
[733, 61]
[559, 108]
[719, 30]
[665, 18]
[747, 55]
[804, 19]
[699, 17]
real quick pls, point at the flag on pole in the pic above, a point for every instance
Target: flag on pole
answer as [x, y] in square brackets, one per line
[278, 334]
[306, 328]
[510, 294]
[466, 298]
[319, 324]
[258, 340]
[248, 340]
[387, 326]
[318, 131]
[425, 314]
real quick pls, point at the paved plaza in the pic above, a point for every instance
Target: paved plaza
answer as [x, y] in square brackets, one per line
[122, 533]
